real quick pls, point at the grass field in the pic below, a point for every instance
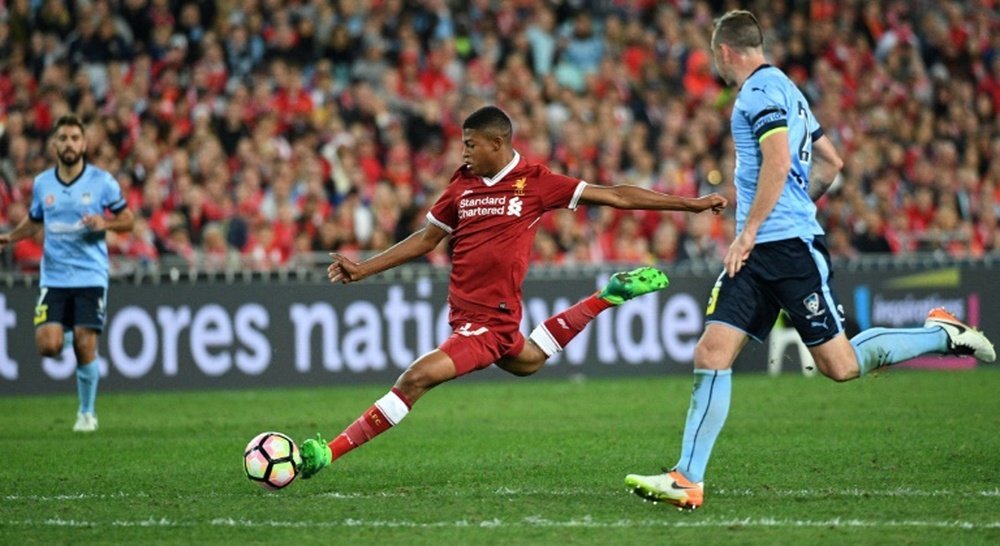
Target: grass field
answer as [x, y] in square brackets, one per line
[904, 457]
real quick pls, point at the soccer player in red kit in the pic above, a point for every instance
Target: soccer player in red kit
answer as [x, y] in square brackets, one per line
[491, 211]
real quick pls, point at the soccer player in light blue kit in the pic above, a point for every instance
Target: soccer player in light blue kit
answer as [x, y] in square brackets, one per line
[778, 261]
[69, 200]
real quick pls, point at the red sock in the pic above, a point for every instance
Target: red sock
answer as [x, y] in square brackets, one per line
[566, 325]
[383, 415]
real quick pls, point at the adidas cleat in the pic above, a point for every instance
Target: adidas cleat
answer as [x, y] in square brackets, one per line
[962, 338]
[670, 487]
[626, 285]
[316, 456]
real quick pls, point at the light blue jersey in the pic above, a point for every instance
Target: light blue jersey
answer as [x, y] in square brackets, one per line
[769, 102]
[74, 255]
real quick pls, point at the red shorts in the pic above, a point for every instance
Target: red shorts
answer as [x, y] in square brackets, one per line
[479, 339]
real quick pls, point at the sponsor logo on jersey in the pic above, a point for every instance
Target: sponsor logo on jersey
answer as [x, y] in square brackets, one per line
[55, 227]
[482, 206]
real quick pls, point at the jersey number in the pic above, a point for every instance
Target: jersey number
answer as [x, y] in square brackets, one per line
[804, 153]
[467, 330]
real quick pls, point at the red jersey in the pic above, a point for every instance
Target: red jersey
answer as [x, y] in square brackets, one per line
[492, 223]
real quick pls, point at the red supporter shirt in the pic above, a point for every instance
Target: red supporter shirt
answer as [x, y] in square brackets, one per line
[492, 223]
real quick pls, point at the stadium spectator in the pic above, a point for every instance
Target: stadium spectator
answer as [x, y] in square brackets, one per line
[215, 253]
[909, 96]
[871, 238]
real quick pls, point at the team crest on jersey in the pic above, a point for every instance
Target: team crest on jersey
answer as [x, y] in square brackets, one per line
[86, 199]
[519, 185]
[812, 305]
[50, 200]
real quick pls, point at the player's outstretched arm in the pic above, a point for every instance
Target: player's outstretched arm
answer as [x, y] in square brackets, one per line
[345, 270]
[826, 166]
[624, 196]
[26, 228]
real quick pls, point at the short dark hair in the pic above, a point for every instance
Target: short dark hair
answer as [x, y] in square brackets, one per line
[490, 119]
[69, 119]
[738, 29]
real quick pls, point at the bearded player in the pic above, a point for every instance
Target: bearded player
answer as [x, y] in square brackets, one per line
[69, 202]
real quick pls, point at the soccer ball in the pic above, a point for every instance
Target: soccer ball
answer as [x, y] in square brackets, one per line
[272, 460]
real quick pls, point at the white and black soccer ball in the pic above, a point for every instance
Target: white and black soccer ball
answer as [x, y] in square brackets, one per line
[272, 460]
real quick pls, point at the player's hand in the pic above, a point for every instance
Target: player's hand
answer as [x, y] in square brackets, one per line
[738, 252]
[342, 269]
[95, 222]
[713, 201]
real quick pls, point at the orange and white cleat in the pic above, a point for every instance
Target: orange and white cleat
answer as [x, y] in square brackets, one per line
[962, 338]
[670, 487]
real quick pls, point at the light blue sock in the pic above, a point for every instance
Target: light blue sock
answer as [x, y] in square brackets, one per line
[878, 347]
[709, 408]
[86, 385]
[67, 339]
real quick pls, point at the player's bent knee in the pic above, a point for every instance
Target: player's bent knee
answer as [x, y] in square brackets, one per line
[521, 368]
[49, 351]
[705, 358]
[416, 380]
[838, 373]
[49, 341]
[836, 360]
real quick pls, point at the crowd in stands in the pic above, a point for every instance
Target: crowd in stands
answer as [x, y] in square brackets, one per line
[251, 133]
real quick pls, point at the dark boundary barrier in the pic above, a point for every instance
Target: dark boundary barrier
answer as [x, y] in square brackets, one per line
[193, 331]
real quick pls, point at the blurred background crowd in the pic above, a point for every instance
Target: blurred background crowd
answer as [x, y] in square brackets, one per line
[256, 133]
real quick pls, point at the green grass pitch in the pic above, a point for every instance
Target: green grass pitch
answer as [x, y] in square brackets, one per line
[904, 457]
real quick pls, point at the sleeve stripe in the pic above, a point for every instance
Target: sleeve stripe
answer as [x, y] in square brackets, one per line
[817, 134]
[575, 201]
[771, 132]
[438, 223]
[763, 129]
[37, 220]
[118, 206]
[765, 112]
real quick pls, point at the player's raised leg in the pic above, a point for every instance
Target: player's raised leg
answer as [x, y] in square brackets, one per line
[874, 348]
[428, 371]
[552, 335]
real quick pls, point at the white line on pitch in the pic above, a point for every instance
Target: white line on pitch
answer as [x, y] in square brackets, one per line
[902, 492]
[586, 522]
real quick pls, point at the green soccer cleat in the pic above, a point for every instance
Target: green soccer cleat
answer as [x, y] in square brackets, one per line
[316, 456]
[626, 285]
